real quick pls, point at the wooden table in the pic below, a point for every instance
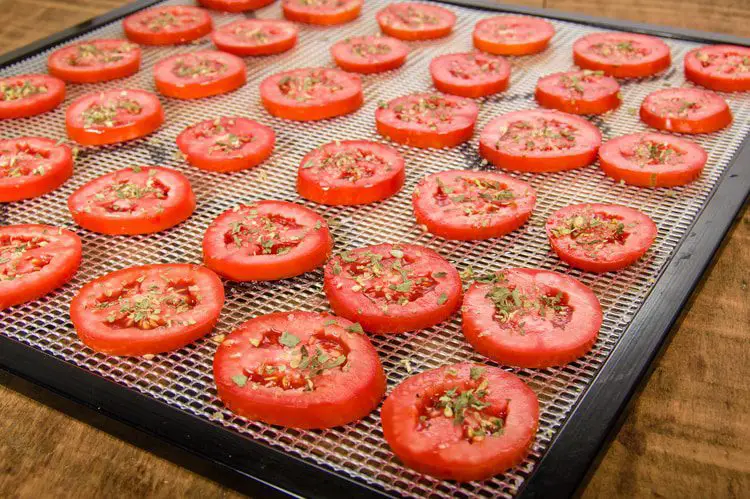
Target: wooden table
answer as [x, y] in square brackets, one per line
[688, 434]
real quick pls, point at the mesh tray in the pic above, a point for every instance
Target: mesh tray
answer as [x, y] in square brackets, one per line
[183, 379]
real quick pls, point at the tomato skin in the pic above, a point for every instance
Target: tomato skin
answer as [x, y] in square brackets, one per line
[34, 104]
[405, 21]
[440, 450]
[599, 95]
[56, 163]
[467, 83]
[700, 67]
[62, 253]
[713, 115]
[528, 35]
[282, 37]
[231, 77]
[654, 54]
[59, 62]
[320, 12]
[347, 58]
[235, 5]
[144, 27]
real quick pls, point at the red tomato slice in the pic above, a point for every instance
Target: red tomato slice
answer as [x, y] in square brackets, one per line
[392, 288]
[147, 310]
[32, 166]
[461, 422]
[311, 94]
[468, 205]
[531, 318]
[34, 261]
[579, 92]
[255, 37]
[512, 35]
[167, 25]
[725, 68]
[622, 55]
[199, 74]
[226, 144]
[266, 241]
[539, 141]
[95, 60]
[323, 12]
[300, 370]
[369, 54]
[113, 116]
[235, 5]
[652, 160]
[685, 110]
[416, 21]
[427, 120]
[350, 172]
[472, 74]
[600, 237]
[29, 95]
[137, 200]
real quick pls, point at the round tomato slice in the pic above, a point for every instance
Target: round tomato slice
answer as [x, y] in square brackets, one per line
[167, 25]
[255, 37]
[652, 160]
[199, 74]
[147, 310]
[113, 116]
[226, 144]
[323, 12]
[531, 318]
[29, 95]
[95, 60]
[350, 172]
[725, 68]
[472, 74]
[34, 261]
[427, 120]
[579, 92]
[299, 370]
[392, 288]
[685, 110]
[600, 237]
[416, 21]
[468, 205]
[369, 54]
[266, 241]
[137, 200]
[622, 55]
[512, 35]
[461, 422]
[32, 166]
[311, 94]
[539, 141]
[235, 5]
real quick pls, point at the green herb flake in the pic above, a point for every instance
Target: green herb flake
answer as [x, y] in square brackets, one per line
[356, 328]
[239, 380]
[288, 339]
[476, 372]
[442, 298]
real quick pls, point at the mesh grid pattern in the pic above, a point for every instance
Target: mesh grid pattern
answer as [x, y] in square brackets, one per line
[183, 378]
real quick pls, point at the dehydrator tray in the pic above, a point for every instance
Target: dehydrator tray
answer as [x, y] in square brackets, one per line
[172, 395]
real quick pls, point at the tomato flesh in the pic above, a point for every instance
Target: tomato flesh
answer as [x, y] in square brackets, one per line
[29, 95]
[95, 60]
[167, 25]
[32, 166]
[472, 74]
[685, 110]
[622, 55]
[579, 92]
[512, 35]
[369, 54]
[415, 21]
[235, 5]
[255, 37]
[323, 12]
[725, 68]
[199, 74]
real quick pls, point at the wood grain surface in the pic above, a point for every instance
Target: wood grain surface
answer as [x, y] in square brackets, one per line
[687, 436]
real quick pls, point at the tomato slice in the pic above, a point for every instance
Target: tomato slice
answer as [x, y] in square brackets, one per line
[136, 200]
[199, 74]
[311, 94]
[350, 172]
[468, 205]
[235, 5]
[725, 68]
[113, 116]
[226, 144]
[685, 110]
[622, 55]
[323, 12]
[34, 261]
[29, 95]
[512, 35]
[255, 37]
[531, 318]
[539, 141]
[300, 370]
[95, 60]
[392, 288]
[461, 422]
[32, 166]
[600, 237]
[415, 21]
[369, 54]
[652, 159]
[266, 241]
[471, 74]
[168, 25]
[579, 92]
[427, 120]
[147, 310]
